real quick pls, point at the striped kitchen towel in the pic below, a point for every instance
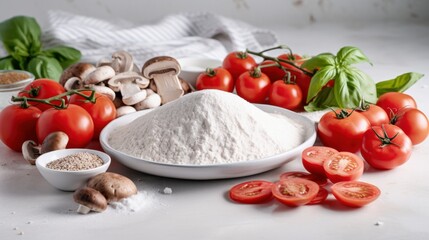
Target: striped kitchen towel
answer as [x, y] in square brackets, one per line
[181, 35]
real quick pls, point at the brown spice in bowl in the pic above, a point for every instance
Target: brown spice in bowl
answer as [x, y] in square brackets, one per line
[76, 162]
[12, 77]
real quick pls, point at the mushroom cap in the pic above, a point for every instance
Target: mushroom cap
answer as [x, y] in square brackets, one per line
[106, 91]
[54, 141]
[73, 83]
[30, 151]
[124, 110]
[122, 61]
[159, 65]
[116, 81]
[90, 198]
[113, 186]
[99, 74]
[80, 70]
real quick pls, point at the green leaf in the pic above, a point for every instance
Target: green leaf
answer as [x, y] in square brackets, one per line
[367, 85]
[319, 61]
[319, 80]
[45, 67]
[347, 89]
[66, 56]
[323, 100]
[398, 84]
[8, 63]
[351, 55]
[21, 37]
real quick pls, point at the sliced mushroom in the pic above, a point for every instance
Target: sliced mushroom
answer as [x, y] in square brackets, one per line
[106, 91]
[80, 70]
[113, 186]
[124, 110]
[73, 83]
[89, 199]
[129, 84]
[122, 61]
[164, 71]
[30, 151]
[151, 101]
[99, 74]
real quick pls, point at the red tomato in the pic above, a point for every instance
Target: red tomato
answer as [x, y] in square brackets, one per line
[295, 58]
[285, 95]
[42, 89]
[218, 78]
[274, 73]
[74, 121]
[295, 191]
[237, 63]
[17, 125]
[343, 166]
[314, 157]
[392, 102]
[320, 180]
[253, 86]
[342, 129]
[320, 197]
[375, 115]
[102, 111]
[256, 191]
[354, 193]
[386, 146]
[414, 123]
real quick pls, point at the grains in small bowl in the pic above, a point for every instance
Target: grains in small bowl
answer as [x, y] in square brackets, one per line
[69, 169]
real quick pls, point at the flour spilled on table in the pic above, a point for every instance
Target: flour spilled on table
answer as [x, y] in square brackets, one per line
[207, 127]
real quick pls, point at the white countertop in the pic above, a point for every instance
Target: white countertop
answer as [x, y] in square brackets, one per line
[32, 209]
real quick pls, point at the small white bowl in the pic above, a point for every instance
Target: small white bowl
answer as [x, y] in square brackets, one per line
[69, 180]
[192, 67]
[9, 90]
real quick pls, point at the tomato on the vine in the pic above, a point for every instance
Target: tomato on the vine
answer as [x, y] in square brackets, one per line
[375, 114]
[17, 125]
[343, 166]
[314, 157]
[237, 63]
[256, 191]
[355, 193]
[73, 120]
[253, 86]
[295, 191]
[102, 111]
[413, 122]
[41, 89]
[386, 147]
[218, 78]
[285, 95]
[392, 102]
[342, 129]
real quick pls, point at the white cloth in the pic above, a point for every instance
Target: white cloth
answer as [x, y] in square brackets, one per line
[181, 35]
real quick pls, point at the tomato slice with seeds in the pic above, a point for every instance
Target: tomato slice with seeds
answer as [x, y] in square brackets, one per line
[321, 181]
[256, 191]
[343, 166]
[295, 191]
[314, 157]
[355, 193]
[321, 196]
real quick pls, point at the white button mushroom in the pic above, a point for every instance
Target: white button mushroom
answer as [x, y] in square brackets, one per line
[99, 74]
[130, 85]
[153, 100]
[122, 61]
[124, 110]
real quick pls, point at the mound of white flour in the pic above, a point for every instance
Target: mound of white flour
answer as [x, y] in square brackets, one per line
[206, 127]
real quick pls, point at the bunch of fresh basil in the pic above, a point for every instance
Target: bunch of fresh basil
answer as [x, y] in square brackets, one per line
[21, 37]
[351, 85]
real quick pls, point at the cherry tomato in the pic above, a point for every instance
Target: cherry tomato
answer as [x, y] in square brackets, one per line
[73, 120]
[343, 166]
[414, 123]
[314, 157]
[218, 78]
[392, 102]
[102, 111]
[320, 197]
[375, 115]
[274, 73]
[355, 193]
[295, 58]
[342, 129]
[295, 191]
[237, 63]
[41, 89]
[17, 125]
[256, 191]
[386, 146]
[253, 86]
[285, 95]
[320, 180]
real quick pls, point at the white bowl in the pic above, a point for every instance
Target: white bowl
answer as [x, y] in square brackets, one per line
[214, 171]
[192, 67]
[9, 90]
[69, 180]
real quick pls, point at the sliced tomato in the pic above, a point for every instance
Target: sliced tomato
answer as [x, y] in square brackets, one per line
[343, 166]
[295, 191]
[256, 191]
[355, 193]
[320, 180]
[320, 197]
[314, 157]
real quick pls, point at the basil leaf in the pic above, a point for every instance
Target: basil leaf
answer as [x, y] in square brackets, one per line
[347, 90]
[45, 67]
[398, 84]
[323, 100]
[351, 55]
[66, 56]
[8, 63]
[367, 85]
[319, 80]
[319, 61]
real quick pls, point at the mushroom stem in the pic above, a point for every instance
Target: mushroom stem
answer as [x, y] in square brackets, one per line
[168, 86]
[83, 209]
